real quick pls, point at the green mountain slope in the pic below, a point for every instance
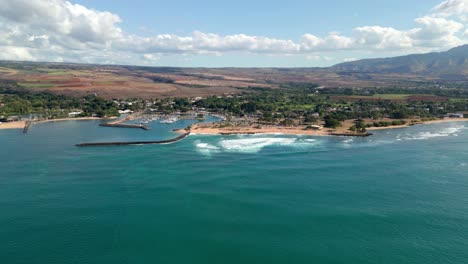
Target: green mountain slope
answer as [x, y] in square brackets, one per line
[452, 64]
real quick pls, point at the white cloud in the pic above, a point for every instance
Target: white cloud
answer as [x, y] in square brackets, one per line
[332, 42]
[382, 38]
[15, 53]
[62, 17]
[451, 7]
[436, 32]
[318, 58]
[58, 30]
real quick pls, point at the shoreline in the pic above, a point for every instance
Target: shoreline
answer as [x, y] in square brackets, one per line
[21, 124]
[438, 121]
[253, 130]
[244, 130]
[13, 125]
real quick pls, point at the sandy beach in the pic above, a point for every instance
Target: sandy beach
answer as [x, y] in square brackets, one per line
[214, 129]
[13, 125]
[68, 119]
[206, 130]
[421, 123]
[21, 124]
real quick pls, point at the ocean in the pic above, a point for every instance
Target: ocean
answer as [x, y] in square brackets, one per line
[400, 196]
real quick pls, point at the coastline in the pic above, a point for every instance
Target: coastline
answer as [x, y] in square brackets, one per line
[213, 129]
[21, 124]
[69, 119]
[438, 121]
[254, 130]
[13, 125]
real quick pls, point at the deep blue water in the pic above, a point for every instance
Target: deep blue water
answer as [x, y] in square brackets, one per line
[400, 196]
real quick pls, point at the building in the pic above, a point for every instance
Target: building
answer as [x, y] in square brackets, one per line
[13, 118]
[455, 115]
[74, 114]
[128, 111]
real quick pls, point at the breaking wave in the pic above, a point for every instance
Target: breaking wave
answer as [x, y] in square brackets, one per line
[256, 143]
[450, 131]
[251, 144]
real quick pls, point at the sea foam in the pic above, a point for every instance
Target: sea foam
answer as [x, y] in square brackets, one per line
[251, 144]
[450, 131]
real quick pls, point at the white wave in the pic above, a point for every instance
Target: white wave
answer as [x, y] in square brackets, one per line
[206, 148]
[253, 145]
[450, 131]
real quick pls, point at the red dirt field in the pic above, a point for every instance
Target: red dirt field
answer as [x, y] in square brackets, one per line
[147, 82]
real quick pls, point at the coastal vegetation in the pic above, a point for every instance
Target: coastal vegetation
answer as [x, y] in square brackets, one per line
[292, 105]
[14, 100]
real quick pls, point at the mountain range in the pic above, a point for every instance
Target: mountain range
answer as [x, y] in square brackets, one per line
[451, 64]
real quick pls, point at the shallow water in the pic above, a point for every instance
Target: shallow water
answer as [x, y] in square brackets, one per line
[400, 196]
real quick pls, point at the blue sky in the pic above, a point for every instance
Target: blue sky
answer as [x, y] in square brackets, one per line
[284, 19]
[242, 33]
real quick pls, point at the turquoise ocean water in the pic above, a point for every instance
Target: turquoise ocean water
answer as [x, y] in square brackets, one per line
[400, 196]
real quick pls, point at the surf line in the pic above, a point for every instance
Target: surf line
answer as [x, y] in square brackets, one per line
[102, 144]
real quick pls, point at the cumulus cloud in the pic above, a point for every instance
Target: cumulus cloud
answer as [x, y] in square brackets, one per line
[331, 42]
[382, 38]
[15, 53]
[349, 59]
[318, 58]
[451, 7]
[58, 30]
[64, 18]
[436, 32]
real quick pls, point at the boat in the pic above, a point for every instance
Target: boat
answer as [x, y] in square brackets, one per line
[169, 120]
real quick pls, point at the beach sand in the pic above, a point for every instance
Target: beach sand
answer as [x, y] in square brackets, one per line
[421, 123]
[68, 119]
[21, 124]
[255, 130]
[214, 129]
[13, 125]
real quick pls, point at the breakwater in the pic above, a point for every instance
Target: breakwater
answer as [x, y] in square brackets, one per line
[27, 125]
[351, 134]
[125, 125]
[102, 144]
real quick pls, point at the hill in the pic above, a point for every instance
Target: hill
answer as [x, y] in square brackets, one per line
[451, 65]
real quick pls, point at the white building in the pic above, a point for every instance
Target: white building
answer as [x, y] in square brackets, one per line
[74, 114]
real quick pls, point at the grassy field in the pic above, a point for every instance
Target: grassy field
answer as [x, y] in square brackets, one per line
[7, 71]
[37, 85]
[381, 96]
[392, 97]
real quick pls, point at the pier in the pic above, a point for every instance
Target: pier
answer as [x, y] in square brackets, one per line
[103, 144]
[27, 125]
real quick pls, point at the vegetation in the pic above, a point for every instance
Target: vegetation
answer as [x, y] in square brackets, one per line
[15, 100]
[293, 104]
[309, 104]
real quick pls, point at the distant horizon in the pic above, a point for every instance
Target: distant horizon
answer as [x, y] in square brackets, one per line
[210, 34]
[222, 67]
